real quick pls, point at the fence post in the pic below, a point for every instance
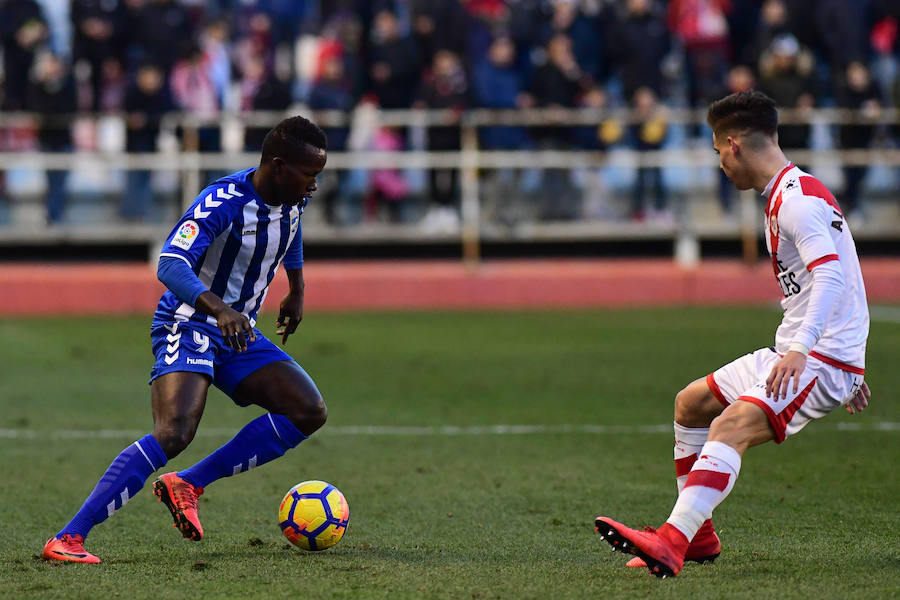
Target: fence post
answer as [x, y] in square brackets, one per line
[470, 216]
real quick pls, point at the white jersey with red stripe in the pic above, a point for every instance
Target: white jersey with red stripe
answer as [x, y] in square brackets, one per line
[805, 228]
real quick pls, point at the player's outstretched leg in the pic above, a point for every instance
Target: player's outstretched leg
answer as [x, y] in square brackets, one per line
[263, 439]
[663, 551]
[121, 481]
[705, 546]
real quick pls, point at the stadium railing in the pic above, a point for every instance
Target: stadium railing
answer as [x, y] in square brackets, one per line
[688, 160]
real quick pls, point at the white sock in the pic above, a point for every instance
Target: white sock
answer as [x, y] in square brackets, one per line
[688, 443]
[708, 483]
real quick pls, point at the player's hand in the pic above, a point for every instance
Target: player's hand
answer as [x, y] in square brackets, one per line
[235, 328]
[860, 401]
[290, 314]
[789, 367]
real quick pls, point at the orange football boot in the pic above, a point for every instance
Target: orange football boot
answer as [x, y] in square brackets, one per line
[662, 550]
[69, 548]
[705, 547]
[180, 497]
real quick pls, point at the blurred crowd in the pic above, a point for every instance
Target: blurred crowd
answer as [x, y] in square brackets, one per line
[144, 58]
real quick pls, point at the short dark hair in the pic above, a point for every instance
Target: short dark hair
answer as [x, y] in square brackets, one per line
[749, 110]
[286, 140]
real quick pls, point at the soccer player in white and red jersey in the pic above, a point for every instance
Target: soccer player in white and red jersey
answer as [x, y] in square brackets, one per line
[816, 365]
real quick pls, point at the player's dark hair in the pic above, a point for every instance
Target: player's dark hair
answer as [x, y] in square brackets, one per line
[287, 139]
[746, 111]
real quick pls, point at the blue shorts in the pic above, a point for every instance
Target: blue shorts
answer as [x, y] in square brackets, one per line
[200, 348]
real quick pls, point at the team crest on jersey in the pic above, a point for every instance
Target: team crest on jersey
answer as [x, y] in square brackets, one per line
[186, 234]
[294, 222]
[773, 225]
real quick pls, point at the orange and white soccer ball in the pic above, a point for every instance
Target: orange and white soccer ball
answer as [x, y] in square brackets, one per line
[314, 515]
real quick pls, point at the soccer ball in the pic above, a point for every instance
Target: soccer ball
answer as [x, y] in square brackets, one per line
[314, 515]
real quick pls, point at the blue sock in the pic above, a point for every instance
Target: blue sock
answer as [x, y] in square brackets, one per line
[121, 481]
[263, 439]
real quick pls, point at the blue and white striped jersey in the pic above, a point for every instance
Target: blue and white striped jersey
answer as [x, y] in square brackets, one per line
[234, 242]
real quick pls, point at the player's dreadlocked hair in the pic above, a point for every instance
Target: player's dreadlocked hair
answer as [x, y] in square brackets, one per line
[286, 140]
[748, 111]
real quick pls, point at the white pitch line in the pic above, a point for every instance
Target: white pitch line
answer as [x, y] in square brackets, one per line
[885, 314]
[411, 431]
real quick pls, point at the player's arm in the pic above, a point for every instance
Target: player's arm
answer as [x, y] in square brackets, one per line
[235, 327]
[204, 220]
[805, 223]
[290, 313]
[176, 274]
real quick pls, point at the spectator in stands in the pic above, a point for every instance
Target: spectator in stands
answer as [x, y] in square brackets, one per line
[638, 45]
[214, 42]
[786, 77]
[587, 34]
[885, 42]
[263, 89]
[394, 63]
[841, 28]
[23, 29]
[146, 101]
[162, 31]
[255, 40]
[52, 95]
[774, 22]
[439, 25]
[333, 90]
[444, 86]
[346, 31]
[558, 82]
[498, 82]
[857, 91]
[287, 18]
[702, 27]
[113, 85]
[740, 77]
[649, 133]
[97, 29]
[194, 91]
[743, 23]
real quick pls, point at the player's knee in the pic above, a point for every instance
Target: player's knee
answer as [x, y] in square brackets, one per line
[695, 406]
[308, 414]
[687, 408]
[174, 437]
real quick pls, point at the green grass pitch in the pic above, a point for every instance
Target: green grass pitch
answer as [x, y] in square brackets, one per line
[443, 504]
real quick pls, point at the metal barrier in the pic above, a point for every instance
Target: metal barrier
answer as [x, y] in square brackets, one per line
[469, 161]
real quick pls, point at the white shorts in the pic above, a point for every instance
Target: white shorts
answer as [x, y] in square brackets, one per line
[822, 389]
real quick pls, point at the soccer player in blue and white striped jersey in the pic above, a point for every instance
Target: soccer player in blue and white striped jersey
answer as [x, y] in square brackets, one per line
[217, 264]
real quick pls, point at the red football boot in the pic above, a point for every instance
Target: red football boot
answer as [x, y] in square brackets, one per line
[180, 497]
[69, 548]
[662, 550]
[704, 548]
